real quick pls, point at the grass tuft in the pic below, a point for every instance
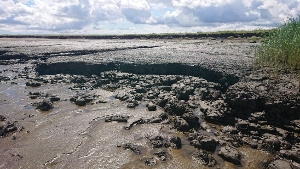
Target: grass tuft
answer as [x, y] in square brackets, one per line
[281, 49]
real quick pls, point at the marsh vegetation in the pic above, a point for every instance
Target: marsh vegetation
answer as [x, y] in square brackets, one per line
[281, 49]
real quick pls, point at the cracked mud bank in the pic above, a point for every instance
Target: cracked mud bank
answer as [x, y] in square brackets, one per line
[144, 104]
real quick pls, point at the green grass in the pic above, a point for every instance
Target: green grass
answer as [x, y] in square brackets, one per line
[280, 51]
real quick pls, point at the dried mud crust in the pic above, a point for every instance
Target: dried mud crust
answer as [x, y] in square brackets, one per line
[233, 57]
[199, 88]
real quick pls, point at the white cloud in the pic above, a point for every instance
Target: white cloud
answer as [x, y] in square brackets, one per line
[179, 17]
[158, 4]
[42, 16]
[200, 3]
[135, 4]
[138, 16]
[280, 9]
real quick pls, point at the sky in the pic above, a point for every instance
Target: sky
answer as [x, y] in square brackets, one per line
[141, 16]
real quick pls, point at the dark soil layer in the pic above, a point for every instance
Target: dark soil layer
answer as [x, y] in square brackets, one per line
[157, 104]
[225, 80]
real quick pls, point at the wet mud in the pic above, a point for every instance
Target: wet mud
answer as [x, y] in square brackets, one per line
[117, 103]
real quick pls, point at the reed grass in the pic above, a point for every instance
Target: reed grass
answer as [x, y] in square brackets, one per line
[280, 50]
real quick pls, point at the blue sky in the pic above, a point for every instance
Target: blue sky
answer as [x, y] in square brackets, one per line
[141, 16]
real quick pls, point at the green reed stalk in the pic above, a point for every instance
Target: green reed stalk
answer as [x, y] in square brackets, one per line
[281, 49]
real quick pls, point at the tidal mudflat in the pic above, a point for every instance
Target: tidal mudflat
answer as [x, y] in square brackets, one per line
[156, 103]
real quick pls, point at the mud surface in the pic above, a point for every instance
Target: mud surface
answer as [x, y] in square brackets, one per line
[144, 104]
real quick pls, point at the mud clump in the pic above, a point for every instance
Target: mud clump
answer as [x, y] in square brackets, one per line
[45, 105]
[117, 118]
[230, 154]
[2, 118]
[151, 106]
[159, 142]
[134, 148]
[7, 127]
[149, 161]
[204, 158]
[33, 84]
[3, 78]
[280, 164]
[83, 98]
[204, 142]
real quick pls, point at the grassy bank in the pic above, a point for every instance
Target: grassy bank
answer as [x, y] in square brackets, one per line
[199, 35]
[281, 50]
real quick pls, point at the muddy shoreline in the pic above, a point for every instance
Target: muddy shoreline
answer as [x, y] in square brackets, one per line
[168, 103]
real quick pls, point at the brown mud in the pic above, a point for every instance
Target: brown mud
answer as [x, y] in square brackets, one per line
[170, 103]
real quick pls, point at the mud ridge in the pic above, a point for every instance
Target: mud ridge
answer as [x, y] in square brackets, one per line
[225, 80]
[8, 55]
